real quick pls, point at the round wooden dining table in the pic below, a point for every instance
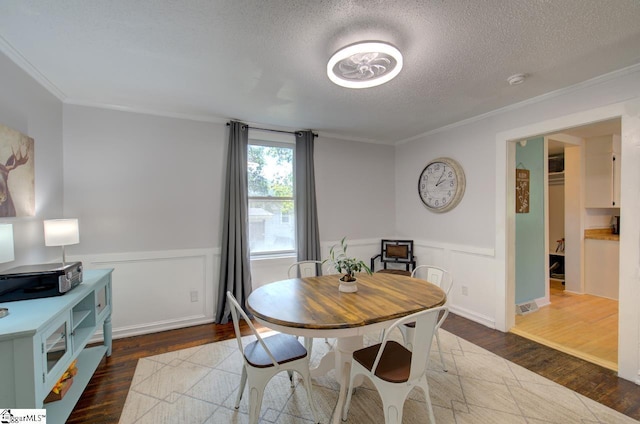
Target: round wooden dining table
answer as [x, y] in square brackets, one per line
[313, 307]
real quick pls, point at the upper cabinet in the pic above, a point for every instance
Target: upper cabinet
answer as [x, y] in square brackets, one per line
[603, 172]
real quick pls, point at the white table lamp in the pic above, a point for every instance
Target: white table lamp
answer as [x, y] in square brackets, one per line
[6, 243]
[61, 232]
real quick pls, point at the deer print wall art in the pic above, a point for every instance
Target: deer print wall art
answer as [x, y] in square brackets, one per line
[17, 191]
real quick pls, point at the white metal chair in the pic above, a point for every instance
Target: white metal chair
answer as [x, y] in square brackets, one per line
[304, 269]
[441, 278]
[266, 357]
[395, 370]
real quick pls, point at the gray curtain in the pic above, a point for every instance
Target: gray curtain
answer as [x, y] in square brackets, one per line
[235, 274]
[307, 233]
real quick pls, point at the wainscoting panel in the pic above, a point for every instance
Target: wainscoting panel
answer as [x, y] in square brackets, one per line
[157, 291]
[473, 295]
[152, 291]
[473, 272]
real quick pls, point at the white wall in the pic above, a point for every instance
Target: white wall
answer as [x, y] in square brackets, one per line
[27, 107]
[482, 219]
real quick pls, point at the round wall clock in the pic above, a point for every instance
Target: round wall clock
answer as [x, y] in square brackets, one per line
[441, 184]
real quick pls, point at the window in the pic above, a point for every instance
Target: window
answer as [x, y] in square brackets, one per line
[272, 223]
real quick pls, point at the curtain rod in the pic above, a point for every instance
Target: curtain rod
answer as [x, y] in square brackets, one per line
[278, 131]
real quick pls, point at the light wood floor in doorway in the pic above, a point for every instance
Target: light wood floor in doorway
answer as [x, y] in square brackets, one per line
[584, 326]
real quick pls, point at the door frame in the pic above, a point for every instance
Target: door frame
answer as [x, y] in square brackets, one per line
[629, 314]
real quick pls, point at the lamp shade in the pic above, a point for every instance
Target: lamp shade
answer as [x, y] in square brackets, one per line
[6, 243]
[61, 232]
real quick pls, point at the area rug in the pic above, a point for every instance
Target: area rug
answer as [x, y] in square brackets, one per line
[199, 386]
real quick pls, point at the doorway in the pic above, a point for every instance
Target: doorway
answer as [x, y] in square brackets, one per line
[579, 312]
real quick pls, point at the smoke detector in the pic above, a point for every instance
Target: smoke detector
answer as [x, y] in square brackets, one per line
[516, 79]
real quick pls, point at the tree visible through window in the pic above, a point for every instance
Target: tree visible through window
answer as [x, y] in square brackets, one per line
[272, 225]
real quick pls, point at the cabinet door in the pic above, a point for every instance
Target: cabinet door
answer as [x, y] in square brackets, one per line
[601, 268]
[56, 349]
[599, 180]
[102, 300]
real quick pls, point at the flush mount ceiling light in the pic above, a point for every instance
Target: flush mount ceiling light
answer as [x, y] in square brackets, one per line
[364, 65]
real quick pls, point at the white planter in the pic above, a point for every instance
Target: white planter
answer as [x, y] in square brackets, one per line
[348, 286]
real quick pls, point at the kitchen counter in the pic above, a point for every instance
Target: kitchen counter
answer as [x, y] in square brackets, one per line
[601, 234]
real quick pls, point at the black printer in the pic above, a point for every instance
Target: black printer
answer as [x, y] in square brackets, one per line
[36, 281]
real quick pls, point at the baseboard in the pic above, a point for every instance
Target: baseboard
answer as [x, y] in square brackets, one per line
[470, 315]
[156, 327]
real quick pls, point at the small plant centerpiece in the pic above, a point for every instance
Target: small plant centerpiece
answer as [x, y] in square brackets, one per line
[346, 266]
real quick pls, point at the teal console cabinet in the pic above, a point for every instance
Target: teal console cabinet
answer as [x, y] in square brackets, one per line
[41, 337]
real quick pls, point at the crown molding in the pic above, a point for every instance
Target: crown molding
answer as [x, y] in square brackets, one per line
[515, 106]
[17, 58]
[191, 117]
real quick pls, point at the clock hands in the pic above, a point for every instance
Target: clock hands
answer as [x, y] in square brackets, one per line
[441, 175]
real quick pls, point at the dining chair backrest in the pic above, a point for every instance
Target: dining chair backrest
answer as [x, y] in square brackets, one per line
[425, 325]
[435, 275]
[261, 364]
[396, 371]
[304, 269]
[236, 313]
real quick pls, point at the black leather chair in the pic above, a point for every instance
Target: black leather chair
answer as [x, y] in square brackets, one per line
[395, 252]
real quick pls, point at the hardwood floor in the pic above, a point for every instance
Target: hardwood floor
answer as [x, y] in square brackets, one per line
[104, 397]
[582, 325]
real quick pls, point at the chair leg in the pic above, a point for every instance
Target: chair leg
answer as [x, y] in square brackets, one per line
[255, 402]
[347, 402]
[290, 373]
[308, 344]
[243, 382]
[306, 381]
[425, 388]
[392, 412]
[444, 367]
[393, 398]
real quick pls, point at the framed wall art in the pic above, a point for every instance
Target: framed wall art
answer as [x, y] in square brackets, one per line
[17, 179]
[522, 190]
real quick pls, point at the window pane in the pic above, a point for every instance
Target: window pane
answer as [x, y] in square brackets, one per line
[272, 226]
[270, 171]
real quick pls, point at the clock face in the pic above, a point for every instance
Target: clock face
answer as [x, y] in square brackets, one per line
[441, 184]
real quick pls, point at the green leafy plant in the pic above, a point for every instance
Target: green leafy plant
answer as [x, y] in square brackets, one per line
[344, 264]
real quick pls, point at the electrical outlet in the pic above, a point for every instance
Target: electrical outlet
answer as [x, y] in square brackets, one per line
[194, 295]
[465, 290]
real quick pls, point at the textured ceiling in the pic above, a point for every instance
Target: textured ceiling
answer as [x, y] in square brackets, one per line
[264, 62]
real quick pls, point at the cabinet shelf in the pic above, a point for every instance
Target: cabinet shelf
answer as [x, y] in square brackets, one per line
[88, 361]
[79, 316]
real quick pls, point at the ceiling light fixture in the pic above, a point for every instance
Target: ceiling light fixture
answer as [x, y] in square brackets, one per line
[363, 65]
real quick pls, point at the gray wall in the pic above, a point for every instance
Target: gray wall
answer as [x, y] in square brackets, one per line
[148, 183]
[141, 182]
[355, 189]
[27, 107]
